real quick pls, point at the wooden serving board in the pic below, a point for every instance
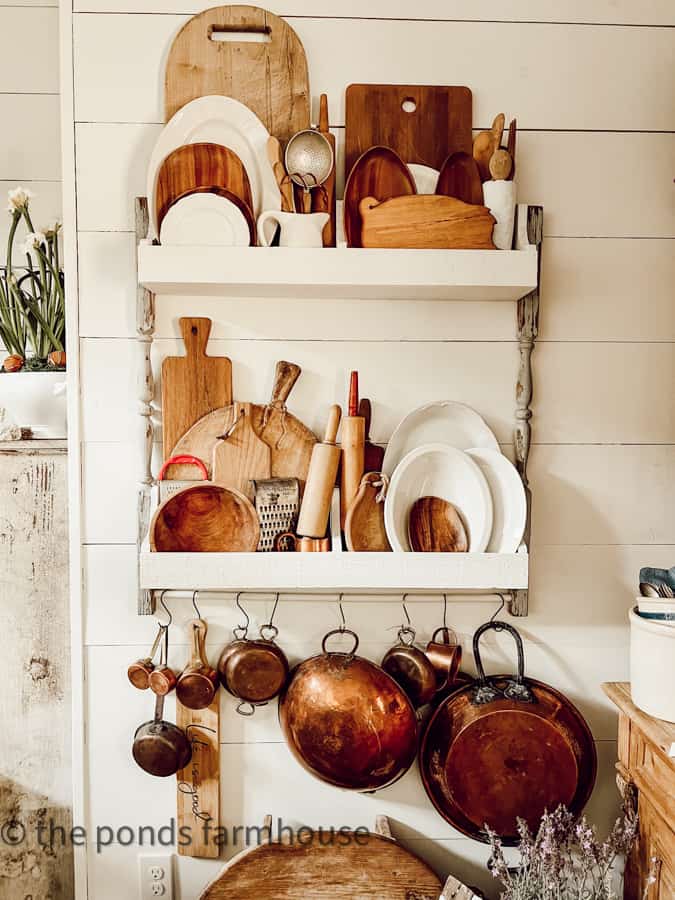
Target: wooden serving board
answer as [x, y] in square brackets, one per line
[439, 124]
[268, 75]
[364, 524]
[242, 456]
[199, 782]
[378, 173]
[351, 867]
[426, 221]
[192, 386]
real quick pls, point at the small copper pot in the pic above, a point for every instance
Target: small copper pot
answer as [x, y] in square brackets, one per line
[255, 671]
[445, 656]
[411, 668]
[161, 748]
[163, 679]
[139, 672]
[198, 682]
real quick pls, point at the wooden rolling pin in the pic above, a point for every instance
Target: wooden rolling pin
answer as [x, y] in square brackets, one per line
[323, 466]
[353, 449]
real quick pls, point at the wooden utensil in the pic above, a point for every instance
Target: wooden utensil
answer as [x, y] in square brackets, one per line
[269, 76]
[290, 441]
[201, 165]
[198, 794]
[240, 455]
[313, 518]
[435, 526]
[206, 518]
[364, 523]
[459, 177]
[427, 221]
[511, 147]
[198, 682]
[422, 123]
[501, 164]
[373, 456]
[363, 866]
[285, 184]
[353, 440]
[324, 199]
[378, 173]
[486, 143]
[192, 385]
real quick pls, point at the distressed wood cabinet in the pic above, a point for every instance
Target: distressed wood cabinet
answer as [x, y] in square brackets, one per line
[36, 856]
[646, 769]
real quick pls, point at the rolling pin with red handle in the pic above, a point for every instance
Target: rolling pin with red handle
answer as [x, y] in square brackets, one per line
[323, 466]
[353, 449]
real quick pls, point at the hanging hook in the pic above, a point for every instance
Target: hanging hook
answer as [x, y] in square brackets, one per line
[500, 607]
[194, 604]
[406, 633]
[445, 611]
[405, 610]
[166, 610]
[269, 631]
[241, 630]
[343, 626]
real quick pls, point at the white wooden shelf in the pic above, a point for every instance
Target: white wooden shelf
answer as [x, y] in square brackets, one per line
[338, 273]
[331, 572]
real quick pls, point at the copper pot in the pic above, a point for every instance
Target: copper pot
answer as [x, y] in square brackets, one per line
[255, 671]
[411, 668]
[161, 748]
[348, 722]
[139, 672]
[198, 682]
[445, 656]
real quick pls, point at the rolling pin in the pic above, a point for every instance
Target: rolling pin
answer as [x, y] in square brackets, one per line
[353, 449]
[323, 466]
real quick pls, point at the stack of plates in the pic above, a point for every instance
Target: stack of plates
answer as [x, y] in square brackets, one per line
[447, 450]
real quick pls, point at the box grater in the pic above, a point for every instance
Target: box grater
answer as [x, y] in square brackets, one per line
[276, 501]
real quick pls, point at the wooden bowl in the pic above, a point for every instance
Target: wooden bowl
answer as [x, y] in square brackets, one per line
[205, 518]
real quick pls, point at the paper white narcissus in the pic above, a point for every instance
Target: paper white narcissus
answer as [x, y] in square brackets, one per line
[33, 240]
[18, 199]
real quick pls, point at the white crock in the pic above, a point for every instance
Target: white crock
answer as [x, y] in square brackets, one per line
[36, 400]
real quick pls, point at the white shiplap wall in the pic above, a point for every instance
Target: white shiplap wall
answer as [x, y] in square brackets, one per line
[593, 92]
[29, 109]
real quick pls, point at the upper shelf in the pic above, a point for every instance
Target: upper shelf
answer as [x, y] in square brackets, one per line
[341, 272]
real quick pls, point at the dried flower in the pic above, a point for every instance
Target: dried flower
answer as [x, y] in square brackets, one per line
[34, 239]
[18, 199]
[13, 363]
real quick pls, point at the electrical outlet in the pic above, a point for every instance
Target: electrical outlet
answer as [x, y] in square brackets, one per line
[155, 875]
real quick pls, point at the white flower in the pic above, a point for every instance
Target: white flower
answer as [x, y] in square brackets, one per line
[52, 230]
[18, 199]
[33, 240]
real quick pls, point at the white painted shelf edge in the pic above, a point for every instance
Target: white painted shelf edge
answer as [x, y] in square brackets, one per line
[338, 273]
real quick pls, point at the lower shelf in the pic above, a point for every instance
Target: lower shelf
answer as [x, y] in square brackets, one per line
[368, 573]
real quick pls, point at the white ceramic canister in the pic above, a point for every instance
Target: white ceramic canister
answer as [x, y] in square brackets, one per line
[500, 199]
[652, 666]
[36, 400]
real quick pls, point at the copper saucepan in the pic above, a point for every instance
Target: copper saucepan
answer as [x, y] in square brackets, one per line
[161, 748]
[254, 671]
[198, 682]
[139, 672]
[411, 668]
[346, 721]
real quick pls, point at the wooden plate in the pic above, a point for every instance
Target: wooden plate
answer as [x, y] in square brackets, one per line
[206, 518]
[200, 166]
[378, 173]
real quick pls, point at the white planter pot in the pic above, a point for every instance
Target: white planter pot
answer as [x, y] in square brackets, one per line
[36, 400]
[652, 666]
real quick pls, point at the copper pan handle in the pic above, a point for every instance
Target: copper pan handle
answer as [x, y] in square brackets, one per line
[341, 631]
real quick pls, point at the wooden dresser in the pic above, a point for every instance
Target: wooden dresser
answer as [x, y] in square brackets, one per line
[647, 772]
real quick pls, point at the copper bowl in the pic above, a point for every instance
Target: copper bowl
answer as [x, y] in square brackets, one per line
[347, 722]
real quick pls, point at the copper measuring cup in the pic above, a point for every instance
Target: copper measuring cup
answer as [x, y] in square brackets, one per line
[411, 668]
[139, 672]
[197, 684]
[163, 679]
[445, 656]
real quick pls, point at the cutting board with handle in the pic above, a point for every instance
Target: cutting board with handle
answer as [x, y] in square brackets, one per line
[426, 221]
[192, 385]
[243, 52]
[289, 440]
[240, 456]
[364, 524]
[422, 123]
[198, 798]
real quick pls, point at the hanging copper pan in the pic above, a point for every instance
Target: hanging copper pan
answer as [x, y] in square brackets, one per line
[348, 722]
[506, 747]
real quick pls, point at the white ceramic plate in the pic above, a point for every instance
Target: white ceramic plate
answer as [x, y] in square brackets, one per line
[205, 219]
[443, 422]
[438, 470]
[425, 178]
[509, 506]
[225, 121]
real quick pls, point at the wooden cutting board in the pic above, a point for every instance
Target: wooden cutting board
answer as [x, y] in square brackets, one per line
[426, 222]
[198, 798]
[438, 123]
[367, 867]
[192, 386]
[364, 524]
[268, 75]
[378, 173]
[240, 455]
[289, 440]
[198, 167]
[373, 455]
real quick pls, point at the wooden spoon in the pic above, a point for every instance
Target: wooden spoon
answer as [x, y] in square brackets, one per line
[486, 143]
[434, 526]
[501, 164]
[460, 178]
[276, 160]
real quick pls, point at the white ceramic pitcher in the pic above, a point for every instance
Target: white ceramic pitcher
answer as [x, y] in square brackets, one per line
[297, 229]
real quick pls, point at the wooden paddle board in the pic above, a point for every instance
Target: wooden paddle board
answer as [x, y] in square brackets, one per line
[198, 798]
[240, 455]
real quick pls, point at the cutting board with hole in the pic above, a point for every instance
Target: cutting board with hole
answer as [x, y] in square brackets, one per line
[192, 386]
[240, 455]
[243, 52]
[422, 123]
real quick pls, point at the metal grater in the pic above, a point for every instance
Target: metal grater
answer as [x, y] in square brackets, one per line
[276, 501]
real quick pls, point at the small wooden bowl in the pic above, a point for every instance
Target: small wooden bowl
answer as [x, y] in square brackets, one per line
[205, 518]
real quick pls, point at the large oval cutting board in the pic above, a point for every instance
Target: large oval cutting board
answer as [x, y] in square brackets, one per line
[266, 69]
[368, 867]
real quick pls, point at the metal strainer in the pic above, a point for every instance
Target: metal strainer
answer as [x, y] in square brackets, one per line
[309, 162]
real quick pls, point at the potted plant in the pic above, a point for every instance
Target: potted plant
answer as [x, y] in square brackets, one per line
[32, 326]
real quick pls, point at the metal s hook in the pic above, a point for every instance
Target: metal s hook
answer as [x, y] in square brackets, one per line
[166, 609]
[445, 611]
[194, 604]
[241, 630]
[406, 633]
[499, 608]
[405, 611]
[343, 626]
[269, 631]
